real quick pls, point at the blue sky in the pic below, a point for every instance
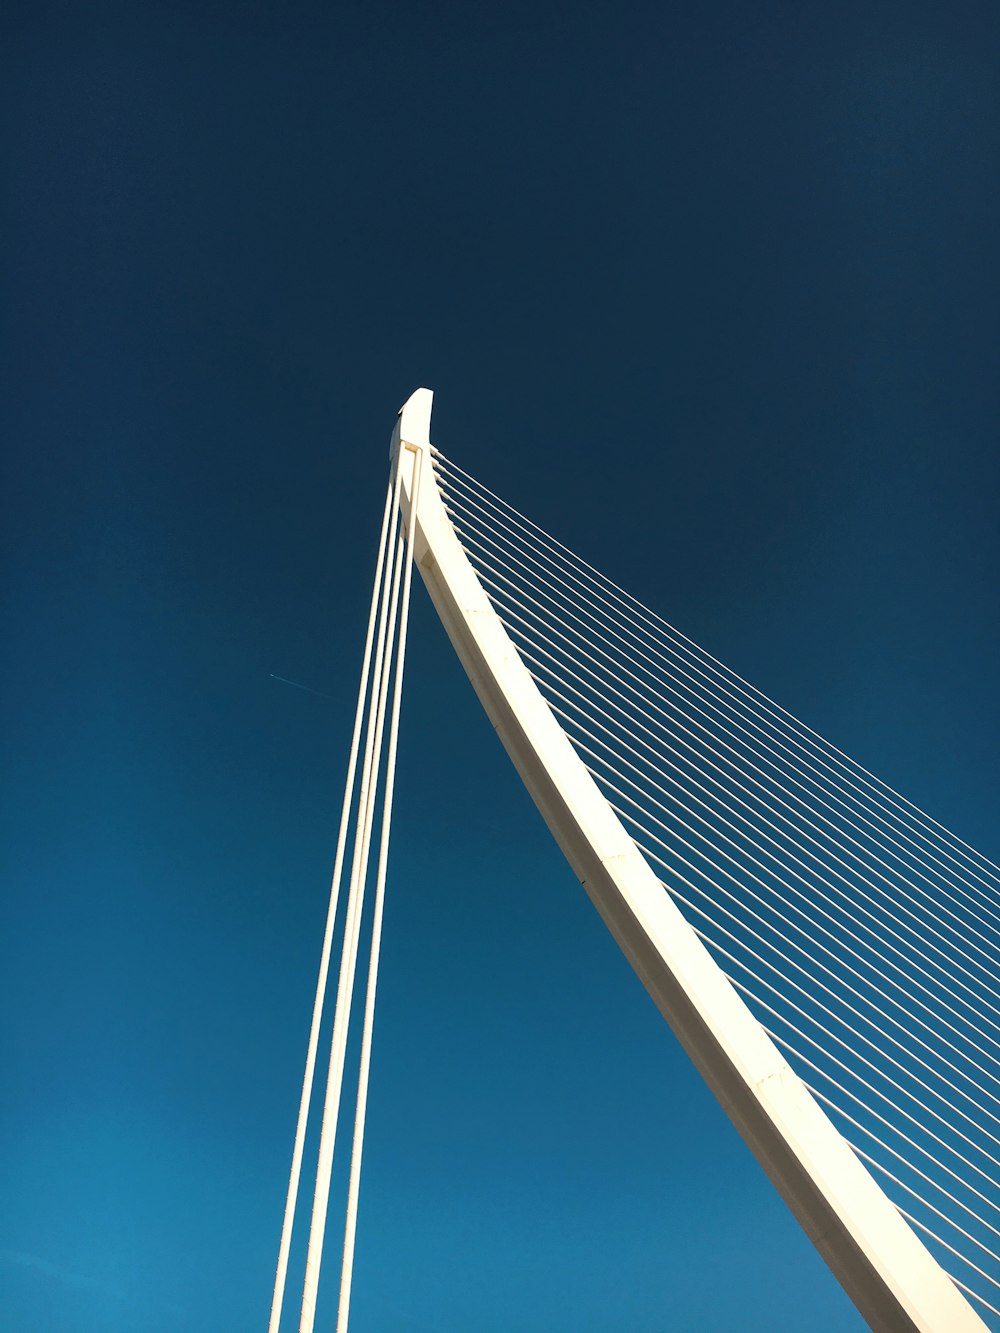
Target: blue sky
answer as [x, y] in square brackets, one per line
[711, 293]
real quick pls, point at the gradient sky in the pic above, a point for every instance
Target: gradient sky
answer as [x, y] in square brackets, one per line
[712, 293]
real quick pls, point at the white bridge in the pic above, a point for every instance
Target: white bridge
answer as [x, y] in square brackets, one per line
[826, 953]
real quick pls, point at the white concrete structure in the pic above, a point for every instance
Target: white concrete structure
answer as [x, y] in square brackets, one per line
[886, 1270]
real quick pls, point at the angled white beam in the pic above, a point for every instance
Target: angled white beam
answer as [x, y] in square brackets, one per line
[885, 1269]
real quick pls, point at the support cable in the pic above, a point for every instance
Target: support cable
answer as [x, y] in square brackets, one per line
[717, 692]
[662, 748]
[801, 733]
[797, 1054]
[961, 1285]
[574, 722]
[744, 766]
[324, 963]
[703, 893]
[851, 1073]
[934, 1029]
[666, 748]
[901, 1184]
[675, 893]
[788, 981]
[603, 624]
[922, 1226]
[349, 954]
[354, 1185]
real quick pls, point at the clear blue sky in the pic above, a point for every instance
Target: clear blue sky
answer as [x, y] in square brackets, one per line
[712, 293]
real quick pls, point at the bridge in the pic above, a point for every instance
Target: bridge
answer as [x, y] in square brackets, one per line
[825, 952]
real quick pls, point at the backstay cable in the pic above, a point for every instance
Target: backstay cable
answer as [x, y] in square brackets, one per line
[324, 962]
[352, 930]
[366, 798]
[350, 1226]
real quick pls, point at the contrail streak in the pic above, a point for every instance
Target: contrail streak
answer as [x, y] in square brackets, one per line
[297, 686]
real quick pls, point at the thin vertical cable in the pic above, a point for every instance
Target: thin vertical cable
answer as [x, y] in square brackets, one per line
[349, 952]
[350, 1226]
[324, 964]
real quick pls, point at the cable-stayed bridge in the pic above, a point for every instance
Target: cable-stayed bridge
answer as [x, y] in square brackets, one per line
[825, 952]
